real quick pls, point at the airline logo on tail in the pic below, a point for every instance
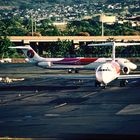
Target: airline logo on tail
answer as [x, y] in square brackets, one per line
[30, 53]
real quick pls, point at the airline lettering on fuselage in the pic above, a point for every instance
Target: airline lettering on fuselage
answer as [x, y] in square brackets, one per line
[30, 53]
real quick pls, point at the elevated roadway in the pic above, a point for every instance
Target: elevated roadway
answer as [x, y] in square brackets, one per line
[75, 39]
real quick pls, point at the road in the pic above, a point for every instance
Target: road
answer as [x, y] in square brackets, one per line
[52, 107]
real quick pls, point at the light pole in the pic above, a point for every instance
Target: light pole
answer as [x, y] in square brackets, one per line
[32, 25]
[35, 24]
[102, 28]
[102, 20]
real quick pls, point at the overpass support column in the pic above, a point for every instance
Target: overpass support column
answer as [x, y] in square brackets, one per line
[26, 42]
[76, 44]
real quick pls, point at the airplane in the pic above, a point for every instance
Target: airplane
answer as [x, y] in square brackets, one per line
[71, 64]
[109, 71]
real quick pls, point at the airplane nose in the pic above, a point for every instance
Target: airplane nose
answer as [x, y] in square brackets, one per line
[104, 77]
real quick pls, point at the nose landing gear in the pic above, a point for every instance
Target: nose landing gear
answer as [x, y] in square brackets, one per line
[99, 84]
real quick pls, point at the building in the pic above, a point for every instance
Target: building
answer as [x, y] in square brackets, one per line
[107, 19]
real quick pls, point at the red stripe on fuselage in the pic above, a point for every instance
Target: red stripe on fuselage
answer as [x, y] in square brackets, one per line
[86, 61]
[76, 61]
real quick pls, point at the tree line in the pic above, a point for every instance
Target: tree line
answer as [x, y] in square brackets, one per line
[16, 26]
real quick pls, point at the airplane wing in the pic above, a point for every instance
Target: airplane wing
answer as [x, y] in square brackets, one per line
[89, 77]
[114, 44]
[132, 76]
[80, 77]
[101, 44]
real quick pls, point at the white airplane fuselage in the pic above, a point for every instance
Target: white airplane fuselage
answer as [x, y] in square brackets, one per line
[72, 63]
[107, 72]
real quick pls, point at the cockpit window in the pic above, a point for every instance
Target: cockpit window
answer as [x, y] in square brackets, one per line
[100, 69]
[104, 69]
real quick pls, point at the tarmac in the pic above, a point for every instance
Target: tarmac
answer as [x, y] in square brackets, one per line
[44, 105]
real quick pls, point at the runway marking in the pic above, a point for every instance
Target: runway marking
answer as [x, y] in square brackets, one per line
[28, 117]
[60, 105]
[2, 121]
[51, 115]
[19, 120]
[132, 82]
[89, 94]
[7, 121]
[132, 109]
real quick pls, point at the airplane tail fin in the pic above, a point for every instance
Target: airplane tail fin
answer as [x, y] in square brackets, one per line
[31, 55]
[114, 45]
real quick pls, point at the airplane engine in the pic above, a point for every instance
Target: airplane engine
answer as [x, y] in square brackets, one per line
[44, 64]
[125, 70]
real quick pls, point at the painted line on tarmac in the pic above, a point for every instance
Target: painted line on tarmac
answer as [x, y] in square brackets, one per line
[51, 115]
[132, 109]
[60, 105]
[90, 94]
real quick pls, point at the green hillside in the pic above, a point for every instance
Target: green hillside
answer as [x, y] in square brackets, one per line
[37, 3]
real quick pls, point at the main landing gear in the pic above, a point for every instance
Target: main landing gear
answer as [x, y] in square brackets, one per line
[123, 83]
[70, 71]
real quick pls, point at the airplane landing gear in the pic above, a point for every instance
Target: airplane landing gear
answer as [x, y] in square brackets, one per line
[76, 71]
[123, 83]
[97, 83]
[103, 86]
[69, 70]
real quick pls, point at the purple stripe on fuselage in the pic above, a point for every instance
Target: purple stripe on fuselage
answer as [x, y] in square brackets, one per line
[72, 61]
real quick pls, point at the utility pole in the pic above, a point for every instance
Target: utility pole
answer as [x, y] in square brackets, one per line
[102, 28]
[32, 27]
[102, 20]
[32, 23]
[35, 25]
